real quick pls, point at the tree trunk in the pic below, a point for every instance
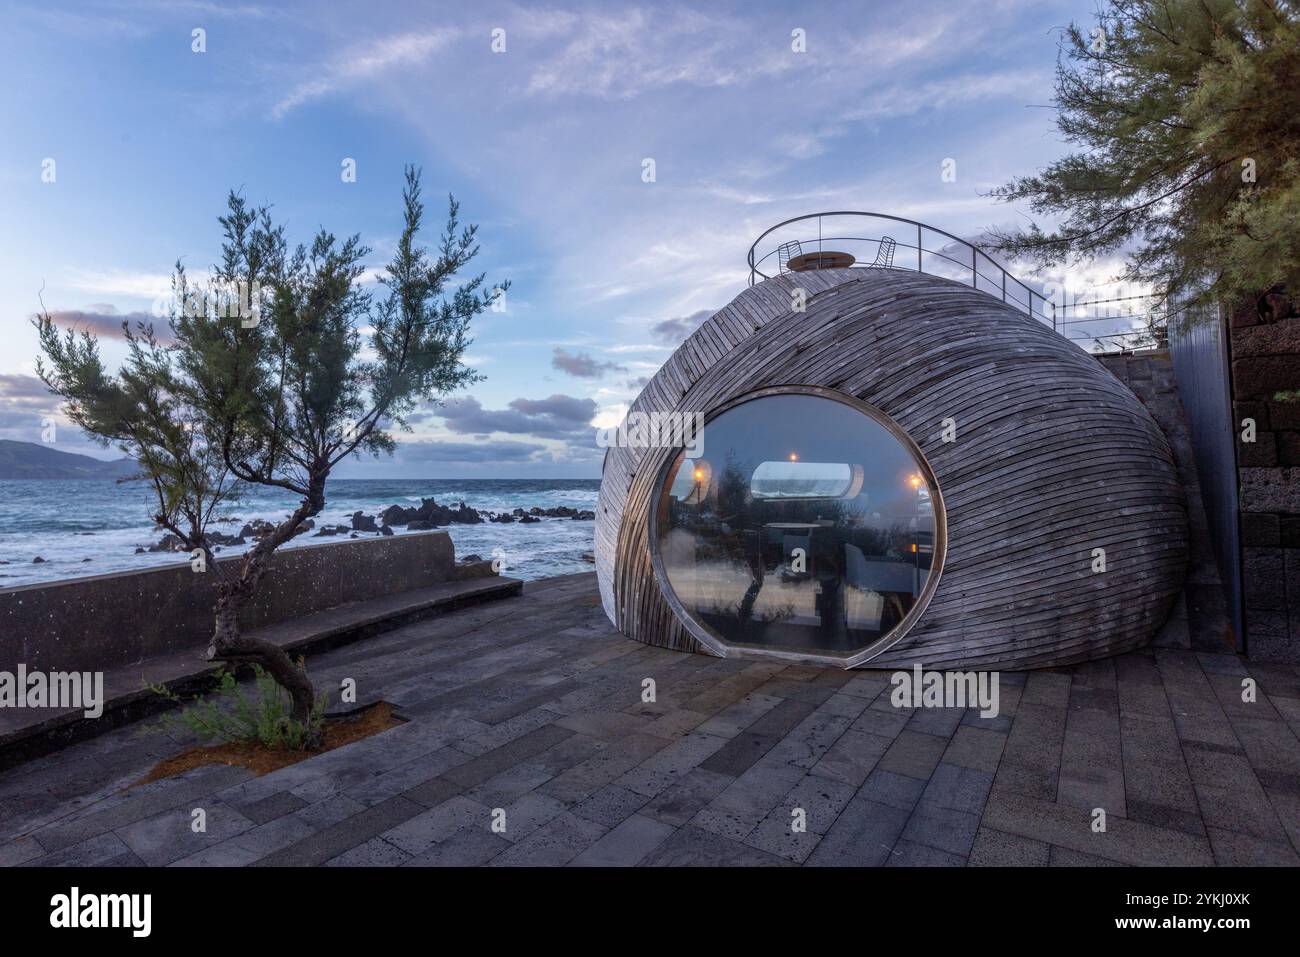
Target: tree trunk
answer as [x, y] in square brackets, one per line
[229, 645]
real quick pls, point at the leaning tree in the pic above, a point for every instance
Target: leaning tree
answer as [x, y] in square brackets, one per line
[279, 365]
[1186, 115]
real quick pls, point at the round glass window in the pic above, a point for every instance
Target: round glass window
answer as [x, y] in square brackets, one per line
[799, 523]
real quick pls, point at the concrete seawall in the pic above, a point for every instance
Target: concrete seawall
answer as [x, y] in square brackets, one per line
[104, 621]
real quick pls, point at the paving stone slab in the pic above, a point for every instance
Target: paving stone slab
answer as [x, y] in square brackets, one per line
[611, 805]
[20, 851]
[956, 788]
[1064, 857]
[269, 808]
[943, 829]
[939, 721]
[138, 804]
[807, 743]
[627, 844]
[471, 846]
[602, 768]
[999, 849]
[893, 790]
[98, 851]
[252, 845]
[739, 754]
[345, 835]
[478, 770]
[664, 768]
[528, 813]
[169, 836]
[975, 747]
[677, 804]
[692, 847]
[740, 807]
[864, 835]
[375, 852]
[562, 839]
[737, 717]
[417, 832]
[1129, 842]
[911, 854]
[509, 785]
[775, 836]
[912, 753]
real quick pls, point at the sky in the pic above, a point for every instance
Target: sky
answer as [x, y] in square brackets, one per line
[121, 141]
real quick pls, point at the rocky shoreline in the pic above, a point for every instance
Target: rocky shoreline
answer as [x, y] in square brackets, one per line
[428, 515]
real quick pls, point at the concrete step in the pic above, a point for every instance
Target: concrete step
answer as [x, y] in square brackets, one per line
[27, 733]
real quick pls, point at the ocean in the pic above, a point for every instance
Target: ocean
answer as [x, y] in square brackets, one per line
[67, 523]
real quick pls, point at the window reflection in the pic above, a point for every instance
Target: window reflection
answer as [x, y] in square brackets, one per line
[806, 526]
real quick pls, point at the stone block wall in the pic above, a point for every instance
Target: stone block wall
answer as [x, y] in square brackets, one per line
[1264, 347]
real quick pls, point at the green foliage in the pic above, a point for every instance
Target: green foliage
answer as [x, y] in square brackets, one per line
[296, 395]
[229, 716]
[281, 396]
[145, 411]
[1176, 105]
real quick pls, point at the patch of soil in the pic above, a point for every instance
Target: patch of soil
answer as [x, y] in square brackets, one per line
[339, 730]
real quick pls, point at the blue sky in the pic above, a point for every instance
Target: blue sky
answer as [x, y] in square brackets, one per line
[543, 144]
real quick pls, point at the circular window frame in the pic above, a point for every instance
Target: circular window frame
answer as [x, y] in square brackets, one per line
[711, 641]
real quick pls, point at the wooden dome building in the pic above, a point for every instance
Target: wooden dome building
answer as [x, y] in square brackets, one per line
[897, 465]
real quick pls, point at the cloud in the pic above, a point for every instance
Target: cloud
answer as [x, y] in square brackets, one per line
[365, 62]
[460, 453]
[24, 403]
[629, 53]
[673, 331]
[105, 321]
[638, 383]
[557, 417]
[940, 95]
[120, 282]
[16, 387]
[582, 365]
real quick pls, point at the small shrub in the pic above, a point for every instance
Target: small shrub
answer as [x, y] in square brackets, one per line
[229, 715]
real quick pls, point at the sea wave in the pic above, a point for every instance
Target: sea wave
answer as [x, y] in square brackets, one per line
[83, 528]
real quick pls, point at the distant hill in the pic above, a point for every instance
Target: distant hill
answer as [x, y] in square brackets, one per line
[31, 460]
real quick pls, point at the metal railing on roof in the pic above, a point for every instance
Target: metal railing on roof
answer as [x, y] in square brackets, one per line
[945, 255]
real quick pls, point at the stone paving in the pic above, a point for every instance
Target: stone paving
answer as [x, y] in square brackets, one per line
[533, 706]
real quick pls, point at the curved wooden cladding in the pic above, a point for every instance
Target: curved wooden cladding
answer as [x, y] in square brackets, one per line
[1053, 457]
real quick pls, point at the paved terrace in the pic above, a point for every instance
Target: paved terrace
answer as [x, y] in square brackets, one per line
[533, 704]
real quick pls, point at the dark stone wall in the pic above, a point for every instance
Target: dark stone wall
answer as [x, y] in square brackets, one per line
[1264, 346]
[105, 621]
